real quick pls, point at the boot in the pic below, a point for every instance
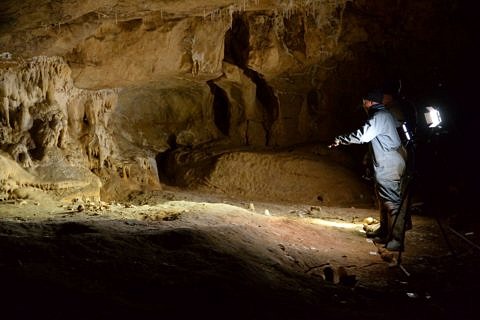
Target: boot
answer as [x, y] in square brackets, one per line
[383, 228]
[396, 223]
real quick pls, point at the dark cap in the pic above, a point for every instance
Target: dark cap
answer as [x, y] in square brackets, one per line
[374, 95]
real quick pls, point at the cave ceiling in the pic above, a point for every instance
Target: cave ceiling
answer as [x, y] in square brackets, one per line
[122, 43]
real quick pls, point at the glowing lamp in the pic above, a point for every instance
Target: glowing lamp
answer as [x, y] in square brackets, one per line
[432, 117]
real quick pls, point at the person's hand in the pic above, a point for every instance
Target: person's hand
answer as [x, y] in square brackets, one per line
[335, 143]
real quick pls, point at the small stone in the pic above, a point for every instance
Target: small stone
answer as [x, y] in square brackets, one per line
[368, 220]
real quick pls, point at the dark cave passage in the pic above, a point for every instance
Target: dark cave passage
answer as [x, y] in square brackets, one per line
[237, 42]
[221, 113]
[164, 162]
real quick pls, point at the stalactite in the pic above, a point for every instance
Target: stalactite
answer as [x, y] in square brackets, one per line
[31, 92]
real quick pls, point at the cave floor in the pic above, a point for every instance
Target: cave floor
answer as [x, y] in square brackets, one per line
[174, 254]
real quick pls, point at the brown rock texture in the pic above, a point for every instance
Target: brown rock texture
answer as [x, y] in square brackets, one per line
[111, 87]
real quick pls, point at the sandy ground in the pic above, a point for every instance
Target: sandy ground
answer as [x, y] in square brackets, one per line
[176, 254]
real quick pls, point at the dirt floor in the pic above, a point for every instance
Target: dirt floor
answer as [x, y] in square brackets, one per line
[173, 254]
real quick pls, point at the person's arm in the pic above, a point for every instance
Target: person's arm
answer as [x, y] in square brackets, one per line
[363, 135]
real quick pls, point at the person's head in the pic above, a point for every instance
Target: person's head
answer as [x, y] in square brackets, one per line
[372, 98]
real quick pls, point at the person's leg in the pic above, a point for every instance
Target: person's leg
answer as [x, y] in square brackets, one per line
[388, 178]
[396, 220]
[393, 217]
[382, 230]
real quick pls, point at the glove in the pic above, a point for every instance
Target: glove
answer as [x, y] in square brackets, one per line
[335, 143]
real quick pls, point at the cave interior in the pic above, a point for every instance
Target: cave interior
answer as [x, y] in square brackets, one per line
[143, 145]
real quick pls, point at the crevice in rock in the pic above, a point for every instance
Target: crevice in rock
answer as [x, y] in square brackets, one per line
[221, 112]
[237, 42]
[266, 96]
[236, 52]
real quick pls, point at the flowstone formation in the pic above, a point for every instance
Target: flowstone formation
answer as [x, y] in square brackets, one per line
[54, 136]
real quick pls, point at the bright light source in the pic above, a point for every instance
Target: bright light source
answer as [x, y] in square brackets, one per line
[432, 116]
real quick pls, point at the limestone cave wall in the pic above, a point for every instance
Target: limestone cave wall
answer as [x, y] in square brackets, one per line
[95, 92]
